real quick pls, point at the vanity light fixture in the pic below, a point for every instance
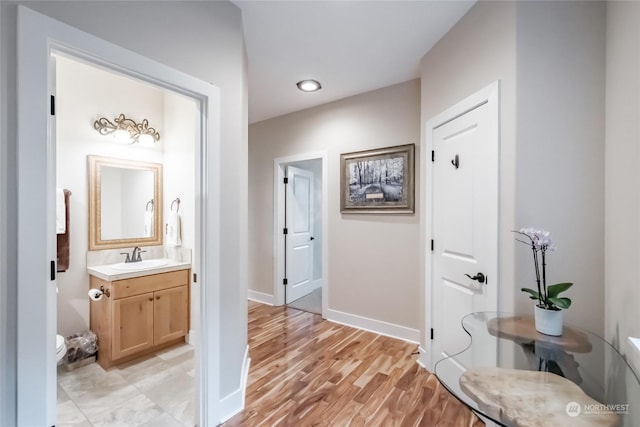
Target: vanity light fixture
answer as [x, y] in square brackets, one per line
[309, 85]
[127, 131]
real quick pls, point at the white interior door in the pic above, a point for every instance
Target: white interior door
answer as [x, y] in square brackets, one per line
[299, 237]
[464, 226]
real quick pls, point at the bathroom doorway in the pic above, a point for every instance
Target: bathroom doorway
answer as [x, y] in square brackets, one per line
[87, 97]
[41, 37]
[300, 232]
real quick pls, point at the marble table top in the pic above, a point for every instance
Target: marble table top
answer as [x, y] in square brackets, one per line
[522, 398]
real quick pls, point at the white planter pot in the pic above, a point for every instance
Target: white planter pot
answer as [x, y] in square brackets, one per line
[548, 322]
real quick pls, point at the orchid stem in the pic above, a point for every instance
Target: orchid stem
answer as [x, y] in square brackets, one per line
[544, 273]
[537, 268]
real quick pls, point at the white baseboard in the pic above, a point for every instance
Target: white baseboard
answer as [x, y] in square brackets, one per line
[260, 297]
[233, 403]
[422, 358]
[191, 337]
[377, 326]
[245, 375]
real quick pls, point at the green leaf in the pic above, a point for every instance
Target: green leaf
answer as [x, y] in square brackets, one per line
[555, 290]
[560, 302]
[534, 294]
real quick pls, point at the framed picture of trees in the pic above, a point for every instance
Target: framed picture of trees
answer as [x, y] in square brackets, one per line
[378, 181]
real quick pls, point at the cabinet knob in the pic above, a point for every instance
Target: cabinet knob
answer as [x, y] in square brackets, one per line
[151, 299]
[157, 297]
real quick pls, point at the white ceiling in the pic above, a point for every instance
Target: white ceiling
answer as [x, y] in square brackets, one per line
[351, 47]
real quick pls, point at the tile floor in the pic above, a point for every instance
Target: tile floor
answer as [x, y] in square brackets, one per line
[157, 390]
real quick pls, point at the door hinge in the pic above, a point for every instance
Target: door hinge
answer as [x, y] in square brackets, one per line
[52, 267]
[195, 277]
[431, 333]
[285, 230]
[53, 105]
[285, 281]
[433, 156]
[286, 180]
[431, 244]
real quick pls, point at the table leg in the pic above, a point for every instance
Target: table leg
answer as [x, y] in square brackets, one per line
[554, 360]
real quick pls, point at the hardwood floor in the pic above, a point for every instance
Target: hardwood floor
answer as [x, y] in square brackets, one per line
[309, 372]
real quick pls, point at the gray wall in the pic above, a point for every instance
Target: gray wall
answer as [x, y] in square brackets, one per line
[204, 39]
[560, 148]
[373, 259]
[549, 58]
[622, 229]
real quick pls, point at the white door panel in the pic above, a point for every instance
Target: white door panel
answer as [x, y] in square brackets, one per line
[458, 300]
[299, 222]
[464, 222]
[300, 265]
[301, 203]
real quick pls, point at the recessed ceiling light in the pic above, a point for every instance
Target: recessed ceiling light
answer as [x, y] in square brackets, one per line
[309, 85]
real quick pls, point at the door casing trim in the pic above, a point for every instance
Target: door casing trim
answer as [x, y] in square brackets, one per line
[279, 165]
[490, 95]
[38, 36]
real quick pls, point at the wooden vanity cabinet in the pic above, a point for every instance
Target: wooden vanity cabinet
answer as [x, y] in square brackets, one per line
[141, 315]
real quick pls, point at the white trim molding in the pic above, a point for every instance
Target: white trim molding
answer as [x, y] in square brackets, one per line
[376, 326]
[278, 224]
[38, 37]
[233, 403]
[191, 337]
[245, 375]
[490, 95]
[633, 354]
[260, 297]
[422, 358]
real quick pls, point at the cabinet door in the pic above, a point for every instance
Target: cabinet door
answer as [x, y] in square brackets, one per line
[171, 314]
[132, 325]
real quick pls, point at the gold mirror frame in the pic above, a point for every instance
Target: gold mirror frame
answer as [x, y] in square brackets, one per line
[95, 218]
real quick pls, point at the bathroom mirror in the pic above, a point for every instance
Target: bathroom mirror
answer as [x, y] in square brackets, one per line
[125, 203]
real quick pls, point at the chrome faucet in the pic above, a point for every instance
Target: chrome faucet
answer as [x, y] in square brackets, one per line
[135, 255]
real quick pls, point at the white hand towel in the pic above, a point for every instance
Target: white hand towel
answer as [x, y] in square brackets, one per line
[174, 230]
[148, 224]
[61, 212]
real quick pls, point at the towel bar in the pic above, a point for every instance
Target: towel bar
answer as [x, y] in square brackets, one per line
[176, 201]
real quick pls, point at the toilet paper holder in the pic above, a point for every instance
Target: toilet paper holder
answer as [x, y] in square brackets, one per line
[96, 294]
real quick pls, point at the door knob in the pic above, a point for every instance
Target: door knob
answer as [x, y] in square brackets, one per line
[480, 277]
[312, 238]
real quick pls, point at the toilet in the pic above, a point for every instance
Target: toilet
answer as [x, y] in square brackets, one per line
[61, 348]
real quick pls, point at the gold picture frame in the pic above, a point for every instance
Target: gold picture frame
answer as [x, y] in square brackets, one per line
[154, 204]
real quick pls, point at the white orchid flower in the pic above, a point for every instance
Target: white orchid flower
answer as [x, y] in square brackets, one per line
[541, 242]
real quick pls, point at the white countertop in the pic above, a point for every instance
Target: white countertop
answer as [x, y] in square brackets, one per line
[108, 273]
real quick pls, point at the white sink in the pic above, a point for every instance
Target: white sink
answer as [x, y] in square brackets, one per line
[145, 264]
